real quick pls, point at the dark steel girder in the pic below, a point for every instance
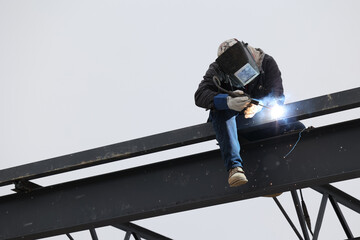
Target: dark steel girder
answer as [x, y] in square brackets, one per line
[140, 231]
[323, 155]
[313, 107]
[340, 196]
[299, 212]
[287, 218]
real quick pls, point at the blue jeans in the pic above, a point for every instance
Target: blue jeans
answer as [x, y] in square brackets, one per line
[225, 126]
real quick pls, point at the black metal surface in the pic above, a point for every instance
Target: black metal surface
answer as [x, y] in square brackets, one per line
[25, 186]
[341, 197]
[69, 236]
[93, 234]
[308, 108]
[140, 231]
[106, 154]
[320, 216]
[288, 218]
[299, 213]
[136, 237]
[341, 217]
[127, 236]
[305, 212]
[183, 184]
[295, 111]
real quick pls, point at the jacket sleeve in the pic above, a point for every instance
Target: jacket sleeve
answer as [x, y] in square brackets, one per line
[204, 95]
[273, 80]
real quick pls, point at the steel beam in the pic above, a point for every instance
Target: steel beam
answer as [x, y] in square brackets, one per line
[69, 236]
[140, 231]
[287, 218]
[106, 154]
[341, 197]
[308, 108]
[341, 217]
[299, 212]
[93, 234]
[182, 184]
[136, 236]
[320, 216]
[127, 236]
[313, 107]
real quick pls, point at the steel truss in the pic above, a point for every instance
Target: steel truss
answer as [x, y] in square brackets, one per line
[86, 204]
[329, 193]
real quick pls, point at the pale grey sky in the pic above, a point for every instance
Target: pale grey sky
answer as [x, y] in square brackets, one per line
[75, 75]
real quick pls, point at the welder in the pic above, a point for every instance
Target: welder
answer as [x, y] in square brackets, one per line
[239, 75]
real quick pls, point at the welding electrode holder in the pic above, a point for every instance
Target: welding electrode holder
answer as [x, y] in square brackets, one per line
[216, 81]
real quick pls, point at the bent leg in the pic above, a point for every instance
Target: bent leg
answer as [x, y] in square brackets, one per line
[224, 124]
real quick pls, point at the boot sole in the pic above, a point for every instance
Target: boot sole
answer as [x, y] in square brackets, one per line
[273, 195]
[238, 183]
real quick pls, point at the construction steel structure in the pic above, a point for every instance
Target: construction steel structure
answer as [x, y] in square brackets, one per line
[189, 182]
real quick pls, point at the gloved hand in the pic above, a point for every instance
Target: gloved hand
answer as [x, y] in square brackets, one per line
[238, 103]
[251, 110]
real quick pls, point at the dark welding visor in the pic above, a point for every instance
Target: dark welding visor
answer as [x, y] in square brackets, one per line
[238, 62]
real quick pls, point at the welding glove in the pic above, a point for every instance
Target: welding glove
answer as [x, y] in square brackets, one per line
[251, 110]
[238, 103]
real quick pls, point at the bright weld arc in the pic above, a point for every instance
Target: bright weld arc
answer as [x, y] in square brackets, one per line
[277, 111]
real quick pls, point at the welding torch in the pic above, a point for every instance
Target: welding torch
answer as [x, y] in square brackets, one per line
[216, 81]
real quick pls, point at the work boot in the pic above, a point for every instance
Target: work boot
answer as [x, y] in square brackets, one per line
[237, 177]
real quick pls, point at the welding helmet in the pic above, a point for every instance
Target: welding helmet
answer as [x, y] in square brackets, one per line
[235, 60]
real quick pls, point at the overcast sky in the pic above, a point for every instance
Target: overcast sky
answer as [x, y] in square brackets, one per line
[76, 75]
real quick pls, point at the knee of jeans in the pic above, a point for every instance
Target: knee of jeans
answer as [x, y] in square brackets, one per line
[222, 114]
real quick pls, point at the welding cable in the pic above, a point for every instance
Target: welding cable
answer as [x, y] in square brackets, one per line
[295, 143]
[217, 83]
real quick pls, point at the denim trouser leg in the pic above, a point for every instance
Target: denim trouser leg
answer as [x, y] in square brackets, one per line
[224, 124]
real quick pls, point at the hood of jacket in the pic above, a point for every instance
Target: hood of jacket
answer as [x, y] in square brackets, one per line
[258, 55]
